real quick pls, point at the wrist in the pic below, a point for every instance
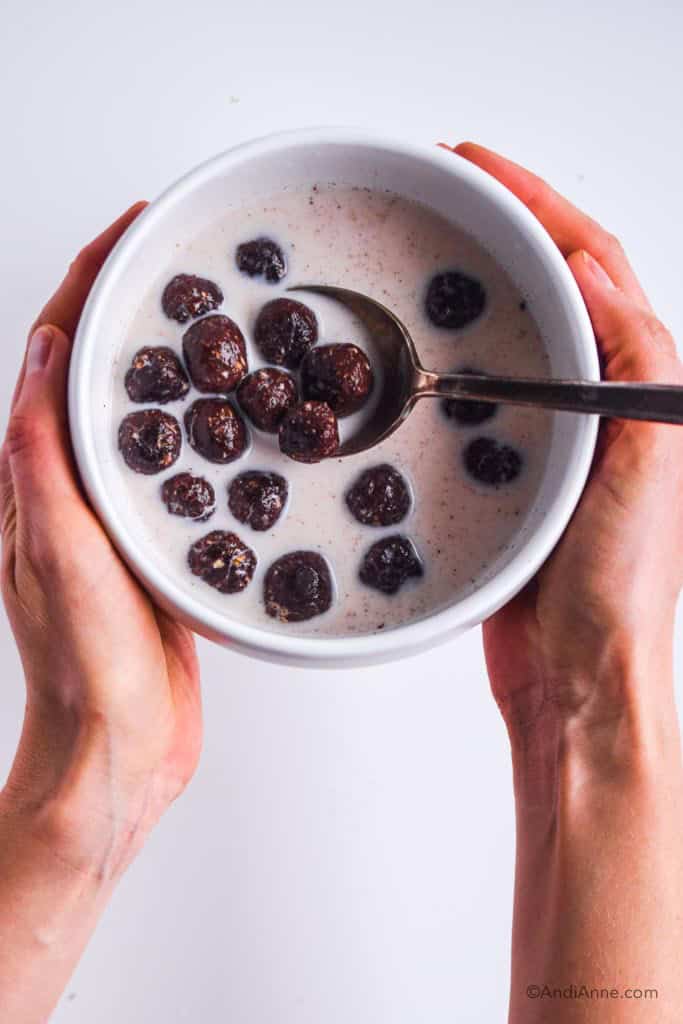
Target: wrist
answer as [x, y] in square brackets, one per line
[72, 792]
[33, 843]
[614, 727]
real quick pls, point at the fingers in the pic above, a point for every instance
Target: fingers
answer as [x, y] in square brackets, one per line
[634, 344]
[570, 228]
[39, 425]
[64, 308]
[37, 450]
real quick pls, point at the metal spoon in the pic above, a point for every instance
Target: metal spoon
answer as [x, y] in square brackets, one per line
[405, 381]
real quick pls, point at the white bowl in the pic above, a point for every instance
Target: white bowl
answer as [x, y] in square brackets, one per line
[451, 186]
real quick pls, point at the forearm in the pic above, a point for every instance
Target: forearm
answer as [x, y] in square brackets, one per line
[68, 829]
[599, 876]
[49, 908]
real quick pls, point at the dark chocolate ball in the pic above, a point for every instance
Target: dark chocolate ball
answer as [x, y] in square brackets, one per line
[150, 440]
[156, 375]
[491, 463]
[454, 299]
[261, 257]
[284, 332]
[257, 498]
[297, 587]
[389, 563]
[187, 296]
[215, 354]
[340, 375]
[189, 496]
[308, 432]
[223, 561]
[216, 430]
[266, 395]
[380, 496]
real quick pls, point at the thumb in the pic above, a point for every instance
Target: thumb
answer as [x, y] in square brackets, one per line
[37, 447]
[632, 341]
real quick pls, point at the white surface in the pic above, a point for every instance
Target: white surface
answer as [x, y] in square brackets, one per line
[345, 852]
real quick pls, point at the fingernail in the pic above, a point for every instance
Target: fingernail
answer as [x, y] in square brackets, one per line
[598, 272]
[38, 353]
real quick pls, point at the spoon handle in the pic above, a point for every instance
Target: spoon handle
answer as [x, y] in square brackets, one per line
[662, 403]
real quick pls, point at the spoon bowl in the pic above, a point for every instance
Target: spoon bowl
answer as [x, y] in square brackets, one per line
[401, 371]
[405, 381]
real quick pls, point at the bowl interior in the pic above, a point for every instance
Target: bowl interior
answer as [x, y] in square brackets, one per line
[450, 186]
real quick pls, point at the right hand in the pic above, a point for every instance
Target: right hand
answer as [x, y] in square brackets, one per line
[569, 651]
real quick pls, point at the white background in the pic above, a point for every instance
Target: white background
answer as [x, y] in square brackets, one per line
[345, 853]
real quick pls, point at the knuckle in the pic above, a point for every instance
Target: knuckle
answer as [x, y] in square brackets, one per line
[647, 325]
[537, 199]
[612, 246]
[25, 435]
[632, 362]
[38, 550]
[654, 341]
[656, 333]
[645, 351]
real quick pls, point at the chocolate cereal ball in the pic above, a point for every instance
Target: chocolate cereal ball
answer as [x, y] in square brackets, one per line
[156, 375]
[257, 498]
[389, 563]
[380, 496]
[189, 496]
[266, 395]
[298, 587]
[216, 430]
[454, 299]
[215, 354]
[308, 432]
[261, 257]
[491, 463]
[284, 332]
[187, 296]
[150, 440]
[223, 561]
[340, 375]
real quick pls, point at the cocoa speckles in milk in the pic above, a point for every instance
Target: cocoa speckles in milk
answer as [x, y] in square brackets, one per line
[461, 528]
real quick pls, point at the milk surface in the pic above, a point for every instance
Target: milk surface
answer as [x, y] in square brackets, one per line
[389, 248]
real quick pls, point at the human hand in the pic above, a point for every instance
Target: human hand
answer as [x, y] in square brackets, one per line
[112, 730]
[581, 667]
[605, 600]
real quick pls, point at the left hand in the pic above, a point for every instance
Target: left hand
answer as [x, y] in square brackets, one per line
[112, 730]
